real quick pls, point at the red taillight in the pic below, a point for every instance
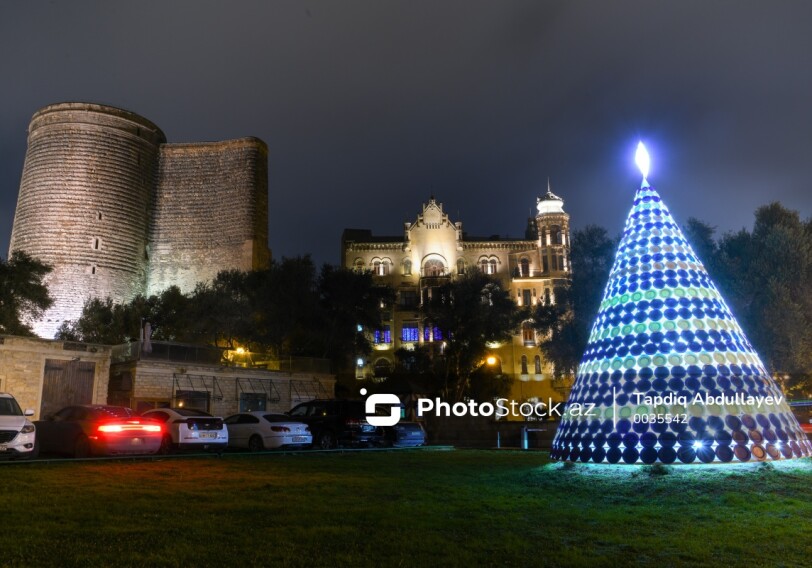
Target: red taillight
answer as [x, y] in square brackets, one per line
[280, 429]
[131, 426]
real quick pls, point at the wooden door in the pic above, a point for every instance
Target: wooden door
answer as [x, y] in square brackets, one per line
[66, 383]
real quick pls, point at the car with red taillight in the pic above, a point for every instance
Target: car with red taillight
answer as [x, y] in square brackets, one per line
[98, 430]
[260, 430]
[190, 429]
[336, 422]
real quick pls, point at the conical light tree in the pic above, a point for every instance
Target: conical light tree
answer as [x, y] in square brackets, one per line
[668, 374]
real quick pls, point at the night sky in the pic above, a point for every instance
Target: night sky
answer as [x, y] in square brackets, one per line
[370, 107]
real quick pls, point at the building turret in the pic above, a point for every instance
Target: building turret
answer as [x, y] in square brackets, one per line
[553, 226]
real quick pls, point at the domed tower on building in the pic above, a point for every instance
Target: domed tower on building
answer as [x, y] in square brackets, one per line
[84, 202]
[553, 229]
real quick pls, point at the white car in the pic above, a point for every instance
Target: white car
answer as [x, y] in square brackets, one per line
[190, 429]
[261, 430]
[17, 432]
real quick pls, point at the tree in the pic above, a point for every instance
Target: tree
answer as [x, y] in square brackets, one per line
[23, 295]
[566, 322]
[349, 302]
[471, 311]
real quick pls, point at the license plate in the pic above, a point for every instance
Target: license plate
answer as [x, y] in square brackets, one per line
[208, 434]
[136, 441]
[300, 438]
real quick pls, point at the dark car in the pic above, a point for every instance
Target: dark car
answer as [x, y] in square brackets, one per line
[90, 430]
[405, 435]
[337, 423]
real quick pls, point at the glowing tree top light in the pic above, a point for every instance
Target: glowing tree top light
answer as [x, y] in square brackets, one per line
[668, 374]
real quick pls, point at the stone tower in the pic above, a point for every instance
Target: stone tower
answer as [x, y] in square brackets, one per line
[118, 212]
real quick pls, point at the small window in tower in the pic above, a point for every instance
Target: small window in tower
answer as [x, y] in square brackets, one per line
[96, 243]
[99, 215]
[93, 269]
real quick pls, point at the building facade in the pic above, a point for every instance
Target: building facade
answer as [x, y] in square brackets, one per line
[116, 211]
[433, 250]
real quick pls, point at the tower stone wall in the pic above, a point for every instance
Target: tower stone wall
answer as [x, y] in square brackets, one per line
[209, 213]
[118, 212]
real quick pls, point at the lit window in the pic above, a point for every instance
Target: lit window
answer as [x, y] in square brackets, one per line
[409, 332]
[538, 364]
[432, 334]
[524, 364]
[525, 267]
[526, 298]
[528, 334]
[358, 265]
[433, 267]
[383, 336]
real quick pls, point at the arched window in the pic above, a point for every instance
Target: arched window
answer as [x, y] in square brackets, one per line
[491, 266]
[538, 365]
[555, 235]
[381, 267]
[460, 267]
[524, 364]
[525, 267]
[528, 334]
[433, 267]
[358, 265]
[407, 267]
[383, 368]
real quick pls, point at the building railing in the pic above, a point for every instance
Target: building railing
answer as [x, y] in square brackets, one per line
[207, 355]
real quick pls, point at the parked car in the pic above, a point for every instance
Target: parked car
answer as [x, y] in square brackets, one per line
[17, 433]
[337, 423]
[405, 435]
[91, 430]
[261, 430]
[189, 429]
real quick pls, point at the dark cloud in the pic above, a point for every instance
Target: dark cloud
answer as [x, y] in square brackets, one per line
[369, 107]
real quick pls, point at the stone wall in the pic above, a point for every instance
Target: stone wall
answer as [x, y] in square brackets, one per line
[148, 382]
[22, 366]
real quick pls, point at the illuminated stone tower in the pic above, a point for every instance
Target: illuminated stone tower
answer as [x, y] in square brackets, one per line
[118, 212]
[84, 204]
[668, 374]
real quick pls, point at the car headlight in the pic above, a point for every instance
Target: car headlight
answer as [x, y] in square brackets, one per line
[27, 429]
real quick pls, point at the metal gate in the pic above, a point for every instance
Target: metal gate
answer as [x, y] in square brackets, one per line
[66, 383]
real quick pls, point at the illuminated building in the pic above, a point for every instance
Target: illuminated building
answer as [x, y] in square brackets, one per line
[433, 250]
[668, 374]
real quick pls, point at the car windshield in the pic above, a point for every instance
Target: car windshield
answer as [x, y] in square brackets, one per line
[114, 412]
[277, 417]
[190, 412]
[9, 407]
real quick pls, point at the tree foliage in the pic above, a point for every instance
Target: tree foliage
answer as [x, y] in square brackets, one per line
[285, 310]
[565, 323]
[472, 311]
[23, 294]
[766, 277]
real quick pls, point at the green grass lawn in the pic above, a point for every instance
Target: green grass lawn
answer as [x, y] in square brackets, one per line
[404, 508]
